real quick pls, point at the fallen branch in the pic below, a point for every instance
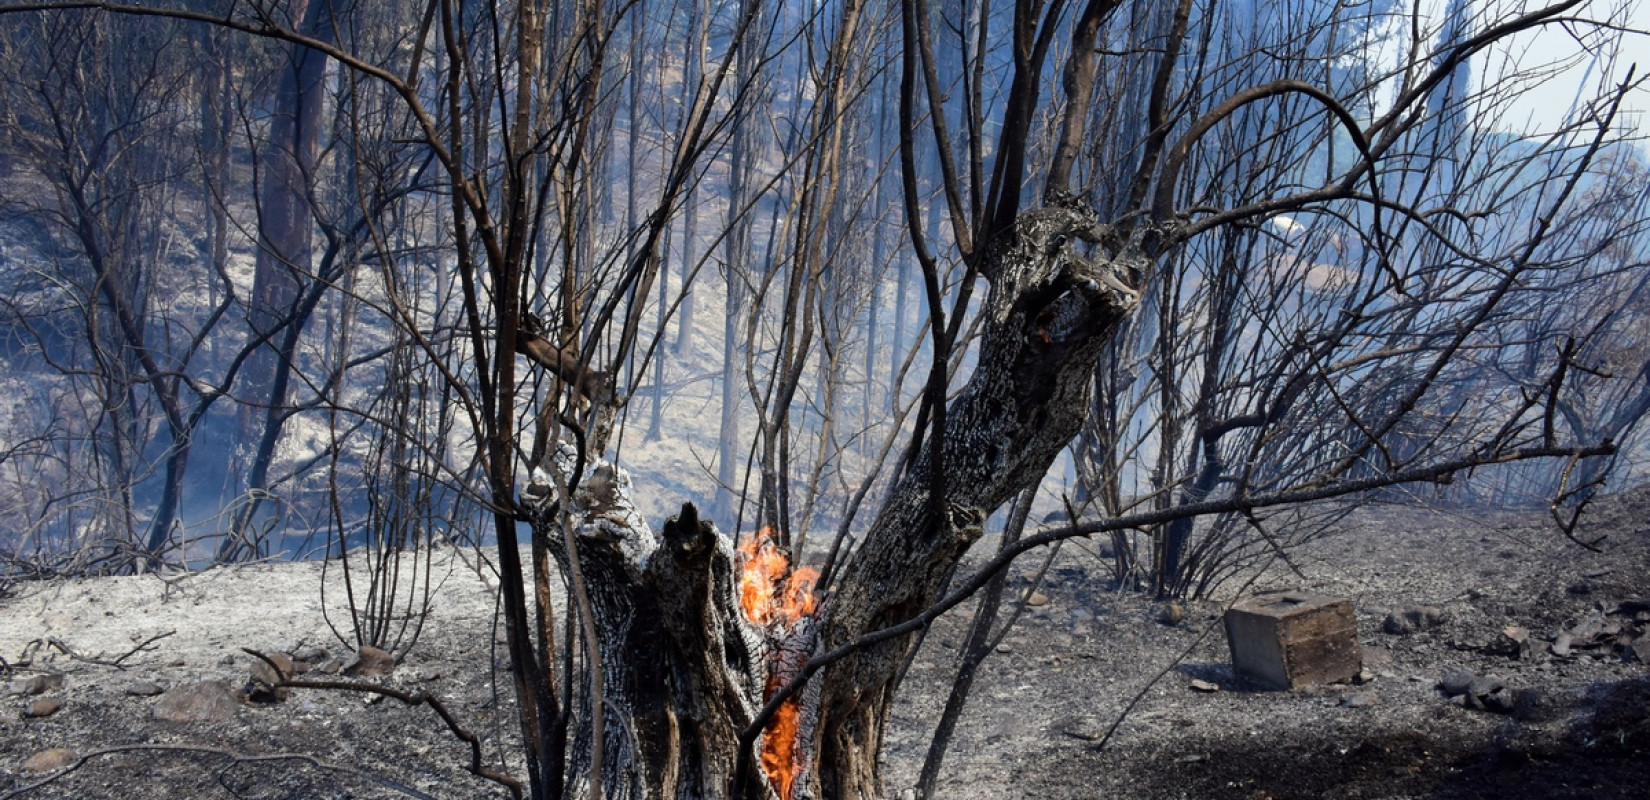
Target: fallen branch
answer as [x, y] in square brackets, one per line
[63, 647]
[475, 767]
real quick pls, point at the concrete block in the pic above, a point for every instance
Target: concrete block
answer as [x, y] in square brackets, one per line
[1286, 640]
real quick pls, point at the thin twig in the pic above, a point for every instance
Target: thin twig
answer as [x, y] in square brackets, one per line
[1585, 495]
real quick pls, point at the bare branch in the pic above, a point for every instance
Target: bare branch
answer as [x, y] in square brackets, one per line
[476, 765]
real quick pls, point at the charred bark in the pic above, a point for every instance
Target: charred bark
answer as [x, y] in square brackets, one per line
[682, 672]
[1050, 311]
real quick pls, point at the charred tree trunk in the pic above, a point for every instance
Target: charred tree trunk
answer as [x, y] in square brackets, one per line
[285, 247]
[682, 671]
[1050, 312]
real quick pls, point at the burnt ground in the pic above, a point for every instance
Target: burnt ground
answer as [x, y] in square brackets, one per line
[1039, 708]
[1582, 729]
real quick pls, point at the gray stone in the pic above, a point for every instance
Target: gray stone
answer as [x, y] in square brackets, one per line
[206, 701]
[1414, 618]
[1500, 701]
[50, 760]
[1485, 685]
[1456, 683]
[371, 662]
[1590, 627]
[1171, 614]
[1482, 684]
[1561, 643]
[36, 684]
[1204, 686]
[143, 689]
[1522, 647]
[1487, 692]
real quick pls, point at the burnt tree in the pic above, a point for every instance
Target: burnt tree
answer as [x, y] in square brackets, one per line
[667, 682]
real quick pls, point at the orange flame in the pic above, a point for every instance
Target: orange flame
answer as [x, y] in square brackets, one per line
[771, 592]
[799, 599]
[779, 755]
[766, 593]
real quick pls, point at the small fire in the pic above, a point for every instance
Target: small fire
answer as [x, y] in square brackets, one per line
[779, 752]
[775, 596]
[769, 591]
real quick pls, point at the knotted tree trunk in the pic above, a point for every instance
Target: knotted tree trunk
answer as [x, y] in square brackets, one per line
[685, 673]
[1049, 314]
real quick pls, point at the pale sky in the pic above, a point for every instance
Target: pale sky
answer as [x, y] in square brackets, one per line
[1550, 96]
[1555, 44]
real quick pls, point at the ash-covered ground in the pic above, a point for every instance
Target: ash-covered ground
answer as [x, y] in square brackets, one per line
[1571, 717]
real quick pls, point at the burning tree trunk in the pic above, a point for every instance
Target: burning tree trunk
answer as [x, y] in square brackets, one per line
[693, 638]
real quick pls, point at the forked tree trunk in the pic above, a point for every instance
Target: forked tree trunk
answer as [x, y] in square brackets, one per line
[1049, 314]
[684, 673]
